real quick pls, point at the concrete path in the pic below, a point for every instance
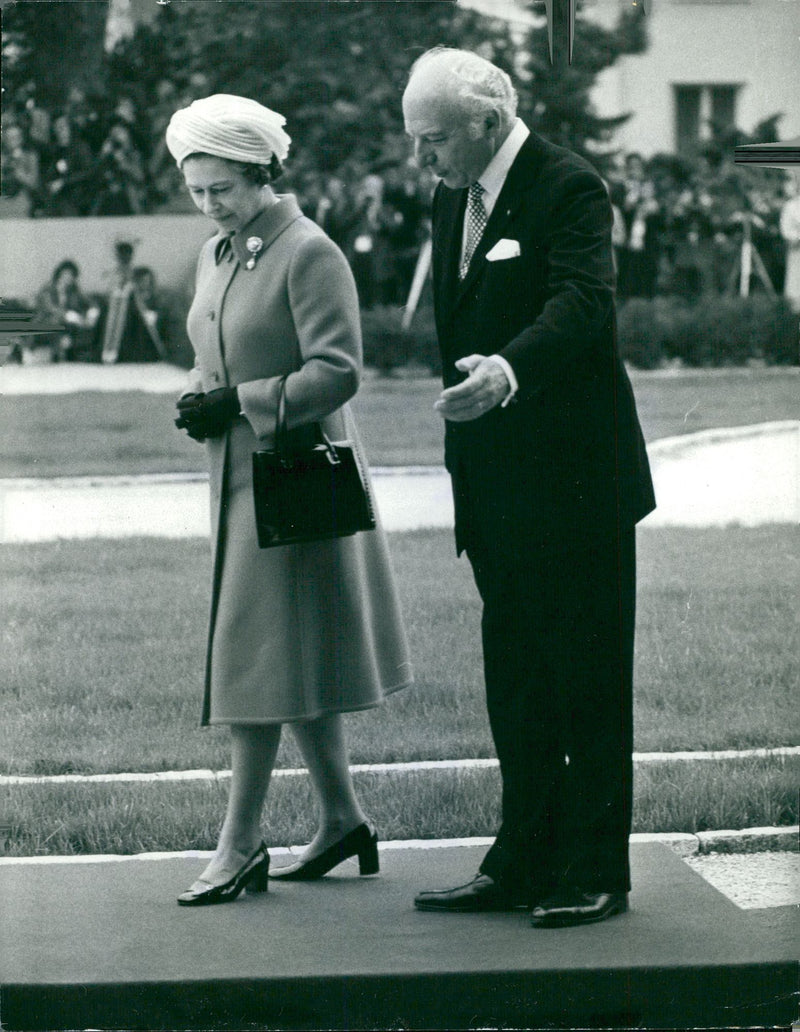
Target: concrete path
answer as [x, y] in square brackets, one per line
[745, 474]
[69, 377]
[176, 505]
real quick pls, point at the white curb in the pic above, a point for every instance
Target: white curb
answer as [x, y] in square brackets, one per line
[377, 768]
[752, 840]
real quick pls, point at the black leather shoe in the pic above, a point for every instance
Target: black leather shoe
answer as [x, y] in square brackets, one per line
[480, 895]
[252, 875]
[573, 907]
[361, 842]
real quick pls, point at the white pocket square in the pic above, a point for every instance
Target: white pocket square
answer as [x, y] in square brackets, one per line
[503, 249]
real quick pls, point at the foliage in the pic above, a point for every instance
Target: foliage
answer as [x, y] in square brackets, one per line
[337, 71]
[51, 47]
[388, 346]
[642, 333]
[719, 331]
[175, 305]
[555, 101]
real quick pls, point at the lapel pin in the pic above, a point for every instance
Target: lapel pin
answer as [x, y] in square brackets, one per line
[253, 245]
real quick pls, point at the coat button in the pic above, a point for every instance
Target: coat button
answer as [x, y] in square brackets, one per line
[215, 377]
[212, 315]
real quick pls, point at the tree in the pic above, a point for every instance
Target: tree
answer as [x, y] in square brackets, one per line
[556, 100]
[53, 46]
[337, 70]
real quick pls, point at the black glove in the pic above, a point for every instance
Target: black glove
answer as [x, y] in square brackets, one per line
[208, 415]
[185, 404]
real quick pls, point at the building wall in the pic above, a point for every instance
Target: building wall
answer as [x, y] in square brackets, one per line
[32, 248]
[755, 43]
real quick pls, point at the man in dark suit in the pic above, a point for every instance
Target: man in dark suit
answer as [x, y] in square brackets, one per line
[550, 476]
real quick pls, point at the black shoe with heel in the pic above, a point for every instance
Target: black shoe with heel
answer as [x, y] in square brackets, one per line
[361, 842]
[253, 875]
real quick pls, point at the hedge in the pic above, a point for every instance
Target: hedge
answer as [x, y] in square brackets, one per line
[388, 346]
[714, 331]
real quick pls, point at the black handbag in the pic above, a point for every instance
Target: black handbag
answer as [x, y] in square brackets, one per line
[307, 488]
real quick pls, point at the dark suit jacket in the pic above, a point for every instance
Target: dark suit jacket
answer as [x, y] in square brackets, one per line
[566, 461]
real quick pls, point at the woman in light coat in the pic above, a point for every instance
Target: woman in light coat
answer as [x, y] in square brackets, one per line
[298, 634]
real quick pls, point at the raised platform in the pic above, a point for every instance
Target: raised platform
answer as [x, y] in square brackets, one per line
[104, 946]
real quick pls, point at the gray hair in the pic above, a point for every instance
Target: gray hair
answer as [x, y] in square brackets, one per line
[477, 85]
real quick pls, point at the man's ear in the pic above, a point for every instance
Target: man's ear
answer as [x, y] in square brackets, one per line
[491, 123]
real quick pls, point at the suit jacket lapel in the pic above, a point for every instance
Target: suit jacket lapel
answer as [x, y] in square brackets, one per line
[450, 225]
[520, 177]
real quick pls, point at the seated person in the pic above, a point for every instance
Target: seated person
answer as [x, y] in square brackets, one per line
[62, 300]
[152, 311]
[134, 325]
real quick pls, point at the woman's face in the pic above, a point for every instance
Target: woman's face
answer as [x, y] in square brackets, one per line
[220, 190]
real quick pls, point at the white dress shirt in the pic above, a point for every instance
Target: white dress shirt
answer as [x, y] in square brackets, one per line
[492, 179]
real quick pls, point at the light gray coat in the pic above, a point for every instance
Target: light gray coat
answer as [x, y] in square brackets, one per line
[302, 630]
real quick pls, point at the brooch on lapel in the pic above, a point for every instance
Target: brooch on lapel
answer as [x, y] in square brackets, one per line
[253, 245]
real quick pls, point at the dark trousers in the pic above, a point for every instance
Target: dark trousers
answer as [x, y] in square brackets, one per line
[558, 657]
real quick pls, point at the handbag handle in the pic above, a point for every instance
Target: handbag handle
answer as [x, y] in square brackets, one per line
[282, 431]
[280, 420]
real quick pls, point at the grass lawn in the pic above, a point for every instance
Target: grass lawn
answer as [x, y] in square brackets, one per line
[684, 402]
[65, 819]
[101, 665]
[103, 649]
[134, 433]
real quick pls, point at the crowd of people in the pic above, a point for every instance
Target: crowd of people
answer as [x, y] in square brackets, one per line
[380, 221]
[91, 155]
[88, 157]
[679, 227]
[679, 224]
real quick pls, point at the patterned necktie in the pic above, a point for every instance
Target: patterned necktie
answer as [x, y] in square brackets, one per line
[476, 223]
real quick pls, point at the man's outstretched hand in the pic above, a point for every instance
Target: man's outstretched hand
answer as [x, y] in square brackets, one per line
[485, 388]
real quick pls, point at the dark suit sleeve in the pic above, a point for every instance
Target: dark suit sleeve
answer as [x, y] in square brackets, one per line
[579, 276]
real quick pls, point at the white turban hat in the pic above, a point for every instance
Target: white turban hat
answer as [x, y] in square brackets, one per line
[229, 127]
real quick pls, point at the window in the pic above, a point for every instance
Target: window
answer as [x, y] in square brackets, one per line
[700, 111]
